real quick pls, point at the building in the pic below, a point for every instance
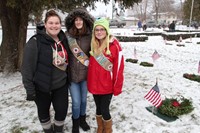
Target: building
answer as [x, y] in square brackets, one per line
[130, 20]
[166, 17]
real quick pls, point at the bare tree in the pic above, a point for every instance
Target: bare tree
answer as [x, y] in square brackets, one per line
[141, 10]
[144, 9]
[156, 6]
[166, 5]
[162, 6]
[181, 9]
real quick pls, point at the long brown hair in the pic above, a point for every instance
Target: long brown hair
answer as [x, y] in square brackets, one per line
[78, 32]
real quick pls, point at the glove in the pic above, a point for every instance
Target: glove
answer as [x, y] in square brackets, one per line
[31, 97]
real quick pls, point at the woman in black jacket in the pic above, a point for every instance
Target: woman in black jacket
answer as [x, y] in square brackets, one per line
[44, 72]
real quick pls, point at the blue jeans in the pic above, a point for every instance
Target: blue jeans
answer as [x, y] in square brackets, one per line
[78, 92]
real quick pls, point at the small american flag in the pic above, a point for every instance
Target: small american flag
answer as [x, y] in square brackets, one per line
[199, 67]
[180, 39]
[154, 96]
[135, 53]
[155, 55]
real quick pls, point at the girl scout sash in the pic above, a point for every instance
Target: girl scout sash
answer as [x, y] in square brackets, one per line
[104, 62]
[58, 61]
[77, 51]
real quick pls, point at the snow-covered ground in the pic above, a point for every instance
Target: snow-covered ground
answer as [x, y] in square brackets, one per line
[128, 109]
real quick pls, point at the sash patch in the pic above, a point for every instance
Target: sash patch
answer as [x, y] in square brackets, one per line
[77, 51]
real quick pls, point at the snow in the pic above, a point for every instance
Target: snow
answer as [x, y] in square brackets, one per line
[128, 109]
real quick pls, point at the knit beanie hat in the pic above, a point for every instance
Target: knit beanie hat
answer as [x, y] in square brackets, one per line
[105, 23]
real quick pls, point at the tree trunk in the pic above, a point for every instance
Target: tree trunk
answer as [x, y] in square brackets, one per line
[14, 28]
[8, 46]
[145, 10]
[22, 35]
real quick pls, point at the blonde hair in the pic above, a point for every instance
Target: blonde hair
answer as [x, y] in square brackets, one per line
[98, 48]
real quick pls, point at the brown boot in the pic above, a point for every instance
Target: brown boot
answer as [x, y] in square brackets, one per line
[99, 123]
[107, 126]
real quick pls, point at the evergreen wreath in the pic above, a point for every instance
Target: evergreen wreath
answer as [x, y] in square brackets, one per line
[173, 107]
[146, 64]
[132, 60]
[192, 77]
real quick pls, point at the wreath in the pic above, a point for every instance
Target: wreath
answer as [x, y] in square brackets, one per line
[132, 60]
[146, 64]
[192, 77]
[174, 107]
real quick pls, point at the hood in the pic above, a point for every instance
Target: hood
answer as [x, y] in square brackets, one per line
[80, 12]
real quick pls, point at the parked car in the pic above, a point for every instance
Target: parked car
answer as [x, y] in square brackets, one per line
[162, 25]
[194, 24]
[118, 23]
[151, 23]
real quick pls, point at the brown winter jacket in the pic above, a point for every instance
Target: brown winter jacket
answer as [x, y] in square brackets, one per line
[78, 71]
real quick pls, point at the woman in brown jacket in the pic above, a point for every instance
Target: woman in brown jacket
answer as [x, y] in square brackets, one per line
[79, 25]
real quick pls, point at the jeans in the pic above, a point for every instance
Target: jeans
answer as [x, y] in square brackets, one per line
[78, 92]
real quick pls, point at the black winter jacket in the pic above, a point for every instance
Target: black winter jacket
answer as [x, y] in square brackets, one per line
[38, 72]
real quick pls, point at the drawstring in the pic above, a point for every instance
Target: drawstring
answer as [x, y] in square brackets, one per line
[56, 49]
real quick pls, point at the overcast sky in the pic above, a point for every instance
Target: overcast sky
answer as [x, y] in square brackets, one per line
[106, 10]
[102, 9]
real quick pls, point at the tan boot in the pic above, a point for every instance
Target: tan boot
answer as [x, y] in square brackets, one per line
[99, 124]
[107, 126]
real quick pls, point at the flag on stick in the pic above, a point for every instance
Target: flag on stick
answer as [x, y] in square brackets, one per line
[165, 40]
[155, 55]
[180, 39]
[199, 67]
[135, 53]
[154, 96]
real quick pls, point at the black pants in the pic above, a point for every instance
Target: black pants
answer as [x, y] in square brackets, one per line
[59, 100]
[102, 105]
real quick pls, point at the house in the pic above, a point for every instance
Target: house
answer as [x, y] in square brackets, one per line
[130, 20]
[166, 17]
